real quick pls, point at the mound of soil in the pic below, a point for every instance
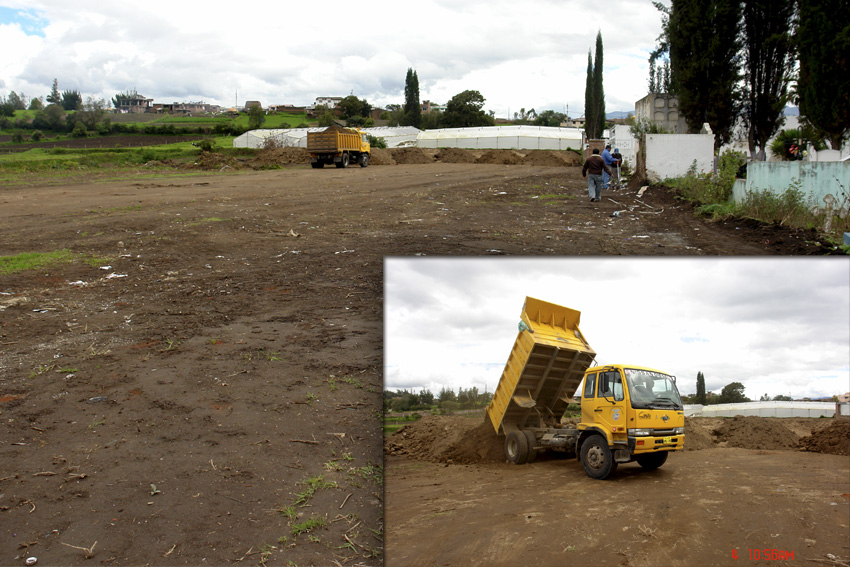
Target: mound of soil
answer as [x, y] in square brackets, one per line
[750, 432]
[214, 161]
[698, 433]
[281, 156]
[455, 155]
[410, 155]
[547, 158]
[381, 156]
[506, 157]
[833, 439]
[447, 439]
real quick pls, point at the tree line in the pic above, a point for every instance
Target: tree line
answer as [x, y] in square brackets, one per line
[446, 400]
[731, 60]
[731, 393]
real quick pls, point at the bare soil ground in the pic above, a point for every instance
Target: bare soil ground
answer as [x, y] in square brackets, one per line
[225, 368]
[746, 491]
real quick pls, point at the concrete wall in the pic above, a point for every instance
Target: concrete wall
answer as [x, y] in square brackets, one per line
[671, 155]
[824, 180]
[622, 138]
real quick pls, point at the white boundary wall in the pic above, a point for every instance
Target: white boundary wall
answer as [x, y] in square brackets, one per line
[763, 409]
[671, 155]
[503, 138]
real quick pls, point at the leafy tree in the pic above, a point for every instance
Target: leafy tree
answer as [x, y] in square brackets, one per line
[7, 108]
[550, 118]
[426, 398]
[431, 120]
[51, 118]
[71, 100]
[523, 117]
[466, 109]
[704, 42]
[36, 104]
[768, 54]
[823, 42]
[92, 112]
[782, 398]
[79, 130]
[54, 97]
[18, 101]
[446, 395]
[412, 107]
[733, 393]
[352, 107]
[256, 117]
[700, 395]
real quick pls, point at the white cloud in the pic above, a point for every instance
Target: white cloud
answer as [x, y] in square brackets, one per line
[529, 54]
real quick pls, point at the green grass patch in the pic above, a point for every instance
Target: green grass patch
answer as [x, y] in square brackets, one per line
[39, 260]
[308, 525]
[311, 486]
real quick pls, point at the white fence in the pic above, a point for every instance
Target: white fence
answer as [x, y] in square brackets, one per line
[764, 409]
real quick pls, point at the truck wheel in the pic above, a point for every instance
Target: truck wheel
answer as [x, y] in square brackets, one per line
[364, 160]
[516, 447]
[596, 458]
[343, 161]
[317, 164]
[651, 461]
[532, 441]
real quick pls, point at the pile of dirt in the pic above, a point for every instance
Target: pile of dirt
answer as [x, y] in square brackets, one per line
[698, 433]
[506, 157]
[455, 155]
[277, 156]
[216, 161]
[551, 159]
[447, 439]
[833, 439]
[410, 155]
[751, 432]
[381, 156]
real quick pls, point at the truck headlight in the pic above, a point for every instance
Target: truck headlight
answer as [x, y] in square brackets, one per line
[680, 430]
[640, 432]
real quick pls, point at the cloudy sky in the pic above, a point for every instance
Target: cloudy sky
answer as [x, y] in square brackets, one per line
[778, 326]
[527, 54]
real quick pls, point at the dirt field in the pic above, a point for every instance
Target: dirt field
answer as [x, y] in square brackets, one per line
[742, 486]
[202, 384]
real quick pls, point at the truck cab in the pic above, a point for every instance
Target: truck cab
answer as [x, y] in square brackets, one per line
[638, 413]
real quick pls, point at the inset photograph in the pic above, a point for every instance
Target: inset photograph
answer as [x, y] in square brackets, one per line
[559, 411]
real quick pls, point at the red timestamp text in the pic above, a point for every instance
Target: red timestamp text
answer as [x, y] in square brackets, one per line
[765, 555]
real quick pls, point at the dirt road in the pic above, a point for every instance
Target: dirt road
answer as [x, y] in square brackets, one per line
[200, 380]
[720, 505]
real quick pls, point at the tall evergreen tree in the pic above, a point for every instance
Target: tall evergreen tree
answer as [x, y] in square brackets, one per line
[700, 397]
[823, 44]
[598, 89]
[769, 61]
[704, 43]
[54, 97]
[412, 107]
[589, 114]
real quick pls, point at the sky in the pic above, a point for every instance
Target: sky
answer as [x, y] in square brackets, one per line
[778, 326]
[527, 54]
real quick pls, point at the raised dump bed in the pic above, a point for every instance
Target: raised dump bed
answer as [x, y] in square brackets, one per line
[546, 365]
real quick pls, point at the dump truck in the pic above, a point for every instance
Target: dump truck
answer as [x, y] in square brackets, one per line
[628, 413]
[338, 146]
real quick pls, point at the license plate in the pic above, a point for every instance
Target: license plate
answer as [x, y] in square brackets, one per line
[667, 440]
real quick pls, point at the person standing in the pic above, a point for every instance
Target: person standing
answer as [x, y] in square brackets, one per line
[609, 161]
[593, 169]
[619, 157]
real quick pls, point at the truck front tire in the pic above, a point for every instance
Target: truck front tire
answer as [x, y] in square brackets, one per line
[596, 458]
[343, 160]
[651, 461]
[364, 160]
[516, 447]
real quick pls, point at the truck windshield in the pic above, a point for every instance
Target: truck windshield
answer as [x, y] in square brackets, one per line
[648, 389]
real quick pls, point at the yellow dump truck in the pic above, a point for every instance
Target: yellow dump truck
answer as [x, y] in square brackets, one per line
[338, 146]
[628, 413]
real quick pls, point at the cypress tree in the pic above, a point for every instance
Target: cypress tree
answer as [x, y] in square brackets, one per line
[768, 53]
[700, 397]
[412, 108]
[598, 90]
[823, 43]
[589, 114]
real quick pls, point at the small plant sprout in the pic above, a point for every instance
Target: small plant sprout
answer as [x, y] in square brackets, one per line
[154, 490]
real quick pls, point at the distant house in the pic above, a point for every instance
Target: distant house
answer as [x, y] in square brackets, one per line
[186, 108]
[135, 104]
[428, 106]
[329, 101]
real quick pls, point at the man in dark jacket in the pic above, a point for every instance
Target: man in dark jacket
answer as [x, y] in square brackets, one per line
[593, 168]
